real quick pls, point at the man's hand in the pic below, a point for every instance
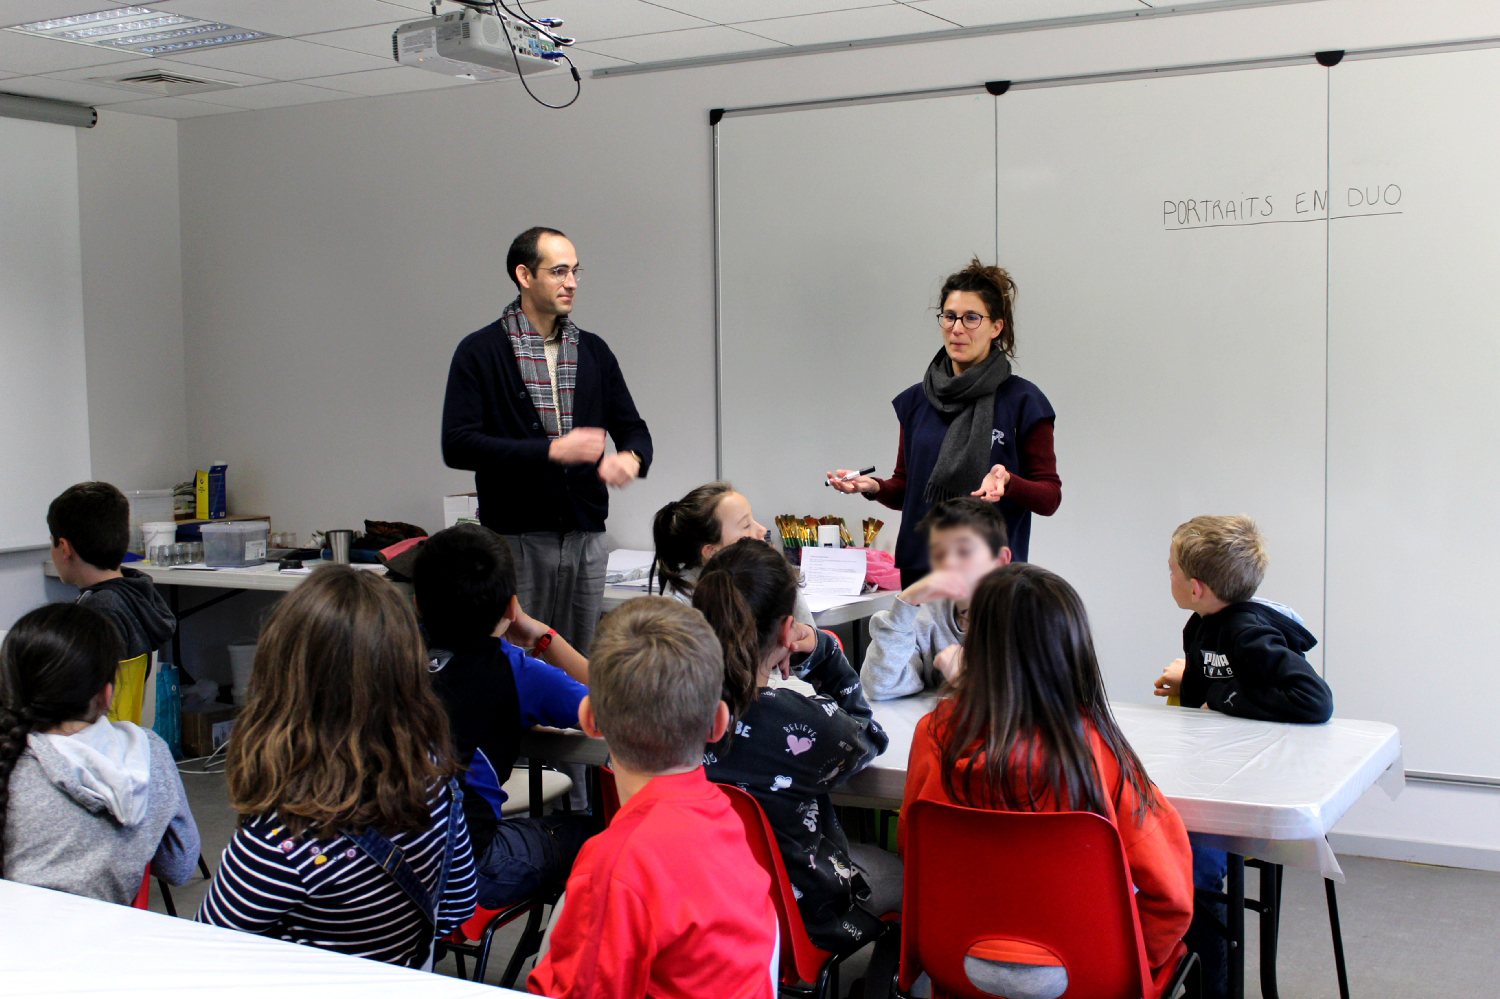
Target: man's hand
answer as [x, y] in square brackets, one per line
[525, 631]
[950, 662]
[993, 486]
[1169, 684]
[936, 586]
[619, 470]
[579, 446]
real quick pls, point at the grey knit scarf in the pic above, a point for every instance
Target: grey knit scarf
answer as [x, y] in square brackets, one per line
[531, 358]
[969, 399]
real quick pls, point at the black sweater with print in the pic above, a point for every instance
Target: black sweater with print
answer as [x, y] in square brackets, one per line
[789, 750]
[1250, 660]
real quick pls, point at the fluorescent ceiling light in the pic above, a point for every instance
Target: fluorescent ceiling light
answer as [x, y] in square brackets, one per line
[140, 30]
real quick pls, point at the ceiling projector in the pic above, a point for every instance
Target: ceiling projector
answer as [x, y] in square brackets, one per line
[475, 45]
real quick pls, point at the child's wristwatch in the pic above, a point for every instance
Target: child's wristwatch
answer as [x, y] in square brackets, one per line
[543, 642]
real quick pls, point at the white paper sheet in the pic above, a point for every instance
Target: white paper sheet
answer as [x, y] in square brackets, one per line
[839, 571]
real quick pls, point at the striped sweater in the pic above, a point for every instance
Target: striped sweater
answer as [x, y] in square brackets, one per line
[327, 893]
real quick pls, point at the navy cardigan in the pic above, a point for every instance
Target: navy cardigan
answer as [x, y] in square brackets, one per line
[491, 428]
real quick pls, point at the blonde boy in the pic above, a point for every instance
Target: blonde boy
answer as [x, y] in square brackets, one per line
[1242, 656]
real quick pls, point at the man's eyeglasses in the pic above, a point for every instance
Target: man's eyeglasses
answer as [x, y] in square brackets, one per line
[971, 320]
[561, 272]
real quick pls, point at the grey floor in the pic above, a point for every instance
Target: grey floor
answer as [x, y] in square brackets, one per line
[1409, 930]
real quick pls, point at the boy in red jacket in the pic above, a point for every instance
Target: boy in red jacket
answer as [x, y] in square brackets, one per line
[668, 901]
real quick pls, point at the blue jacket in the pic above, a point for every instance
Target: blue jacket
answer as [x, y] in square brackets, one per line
[1019, 406]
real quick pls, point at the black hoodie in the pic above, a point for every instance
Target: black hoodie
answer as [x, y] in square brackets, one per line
[144, 620]
[789, 750]
[1249, 660]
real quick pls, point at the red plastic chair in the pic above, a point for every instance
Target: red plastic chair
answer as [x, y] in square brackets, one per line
[475, 937]
[142, 898]
[1054, 880]
[802, 962]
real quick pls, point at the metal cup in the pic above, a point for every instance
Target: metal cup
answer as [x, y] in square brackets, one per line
[338, 545]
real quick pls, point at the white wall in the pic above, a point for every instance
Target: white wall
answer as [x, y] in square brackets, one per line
[132, 311]
[333, 254]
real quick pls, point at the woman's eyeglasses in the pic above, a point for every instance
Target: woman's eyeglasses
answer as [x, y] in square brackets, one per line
[971, 320]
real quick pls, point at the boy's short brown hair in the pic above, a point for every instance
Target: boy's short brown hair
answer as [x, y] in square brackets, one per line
[968, 511]
[95, 518]
[656, 672]
[1226, 554]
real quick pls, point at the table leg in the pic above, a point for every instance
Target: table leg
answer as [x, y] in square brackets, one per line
[172, 602]
[1236, 926]
[1270, 927]
[1338, 937]
[857, 637]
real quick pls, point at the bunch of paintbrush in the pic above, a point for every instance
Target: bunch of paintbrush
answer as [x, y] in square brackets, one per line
[872, 529]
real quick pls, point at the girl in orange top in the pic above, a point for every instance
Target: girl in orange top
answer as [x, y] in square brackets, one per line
[1027, 727]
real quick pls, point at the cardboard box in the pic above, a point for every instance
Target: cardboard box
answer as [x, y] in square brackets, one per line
[205, 731]
[464, 506]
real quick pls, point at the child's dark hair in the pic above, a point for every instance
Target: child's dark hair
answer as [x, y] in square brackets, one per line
[54, 664]
[968, 511]
[95, 519]
[464, 578]
[995, 287]
[1029, 682]
[681, 529]
[746, 591]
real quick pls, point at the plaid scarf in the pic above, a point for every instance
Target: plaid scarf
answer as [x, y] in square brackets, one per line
[531, 358]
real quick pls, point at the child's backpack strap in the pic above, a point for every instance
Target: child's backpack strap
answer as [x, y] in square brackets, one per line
[390, 858]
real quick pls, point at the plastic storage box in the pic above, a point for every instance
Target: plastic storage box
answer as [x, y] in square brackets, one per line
[235, 545]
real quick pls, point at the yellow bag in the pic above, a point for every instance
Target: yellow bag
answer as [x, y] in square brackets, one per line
[130, 689]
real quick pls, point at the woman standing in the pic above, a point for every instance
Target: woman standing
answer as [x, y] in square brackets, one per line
[970, 427]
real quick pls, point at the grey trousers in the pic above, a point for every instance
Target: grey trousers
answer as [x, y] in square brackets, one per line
[560, 581]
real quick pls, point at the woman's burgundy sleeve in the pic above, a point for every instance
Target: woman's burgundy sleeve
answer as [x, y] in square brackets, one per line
[892, 491]
[1040, 490]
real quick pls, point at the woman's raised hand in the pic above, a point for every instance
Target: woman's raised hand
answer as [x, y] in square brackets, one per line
[858, 484]
[993, 486]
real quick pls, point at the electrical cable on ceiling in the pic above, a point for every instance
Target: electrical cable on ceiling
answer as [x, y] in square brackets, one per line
[544, 26]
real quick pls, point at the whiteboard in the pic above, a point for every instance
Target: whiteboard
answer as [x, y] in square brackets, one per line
[44, 431]
[1414, 403]
[1184, 360]
[829, 226]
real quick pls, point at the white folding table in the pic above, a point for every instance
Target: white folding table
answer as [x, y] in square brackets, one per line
[1258, 789]
[59, 945]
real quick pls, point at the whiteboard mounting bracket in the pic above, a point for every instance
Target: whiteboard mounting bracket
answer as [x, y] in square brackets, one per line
[996, 87]
[1330, 58]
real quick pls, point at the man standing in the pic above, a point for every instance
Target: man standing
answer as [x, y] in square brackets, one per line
[530, 399]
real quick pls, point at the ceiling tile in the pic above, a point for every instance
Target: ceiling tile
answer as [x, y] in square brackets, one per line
[421, 6]
[976, 12]
[88, 73]
[284, 17]
[67, 90]
[272, 95]
[680, 44]
[373, 39]
[26, 11]
[396, 80]
[590, 20]
[29, 55]
[846, 25]
[172, 107]
[285, 59]
[730, 11]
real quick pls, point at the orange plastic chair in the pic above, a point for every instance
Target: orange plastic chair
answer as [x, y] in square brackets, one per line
[803, 963]
[1053, 882]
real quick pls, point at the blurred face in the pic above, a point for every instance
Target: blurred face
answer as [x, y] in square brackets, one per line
[1182, 587]
[962, 551]
[549, 290]
[967, 346]
[735, 522]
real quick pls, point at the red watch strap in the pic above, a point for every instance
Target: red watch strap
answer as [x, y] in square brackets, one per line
[544, 642]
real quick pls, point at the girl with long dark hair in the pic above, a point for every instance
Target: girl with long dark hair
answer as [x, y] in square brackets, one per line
[790, 749]
[1027, 727]
[340, 755]
[85, 803]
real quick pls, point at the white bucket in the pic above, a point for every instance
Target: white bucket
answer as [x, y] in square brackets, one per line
[158, 532]
[241, 662]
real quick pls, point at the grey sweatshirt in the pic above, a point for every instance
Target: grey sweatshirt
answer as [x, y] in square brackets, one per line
[904, 641]
[802, 613]
[143, 618]
[89, 810]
